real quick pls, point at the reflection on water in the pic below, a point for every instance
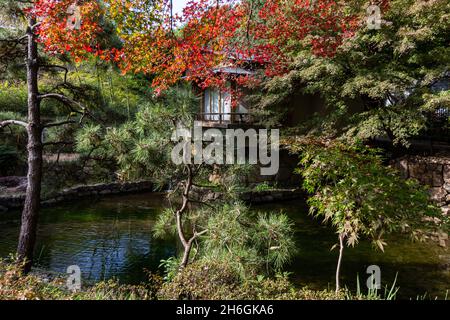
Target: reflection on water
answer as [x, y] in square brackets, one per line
[421, 267]
[112, 238]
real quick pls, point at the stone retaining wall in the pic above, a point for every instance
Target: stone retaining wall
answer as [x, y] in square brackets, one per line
[272, 195]
[255, 197]
[9, 202]
[431, 171]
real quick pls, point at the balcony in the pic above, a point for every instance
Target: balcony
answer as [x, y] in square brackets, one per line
[224, 120]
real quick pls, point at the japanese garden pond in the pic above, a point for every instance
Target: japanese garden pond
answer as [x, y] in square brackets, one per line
[112, 237]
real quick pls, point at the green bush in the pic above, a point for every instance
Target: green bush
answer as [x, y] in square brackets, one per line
[13, 98]
[14, 285]
[220, 281]
[250, 243]
[264, 186]
[113, 290]
[353, 189]
[199, 281]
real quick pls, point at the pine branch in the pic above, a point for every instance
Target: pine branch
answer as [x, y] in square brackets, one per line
[15, 122]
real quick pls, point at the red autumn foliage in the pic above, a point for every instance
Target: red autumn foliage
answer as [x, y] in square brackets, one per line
[55, 33]
[209, 34]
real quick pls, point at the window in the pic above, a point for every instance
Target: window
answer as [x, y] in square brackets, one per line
[217, 105]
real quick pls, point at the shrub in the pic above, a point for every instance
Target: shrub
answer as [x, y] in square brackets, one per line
[13, 97]
[200, 281]
[219, 281]
[14, 285]
[264, 186]
[352, 189]
[113, 290]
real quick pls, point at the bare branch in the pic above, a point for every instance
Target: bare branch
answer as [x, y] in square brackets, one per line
[198, 234]
[66, 71]
[62, 98]
[56, 124]
[15, 122]
[202, 186]
[69, 103]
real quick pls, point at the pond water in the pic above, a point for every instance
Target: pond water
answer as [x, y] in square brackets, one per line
[112, 237]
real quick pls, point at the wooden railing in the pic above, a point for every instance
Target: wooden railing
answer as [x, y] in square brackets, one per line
[232, 117]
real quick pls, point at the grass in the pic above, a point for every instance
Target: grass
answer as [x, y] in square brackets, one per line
[390, 292]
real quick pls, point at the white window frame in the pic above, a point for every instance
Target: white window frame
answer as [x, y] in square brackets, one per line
[217, 101]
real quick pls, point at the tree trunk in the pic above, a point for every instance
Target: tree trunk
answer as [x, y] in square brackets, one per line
[187, 244]
[186, 254]
[338, 268]
[30, 211]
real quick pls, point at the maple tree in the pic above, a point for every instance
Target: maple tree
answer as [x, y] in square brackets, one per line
[207, 35]
[320, 24]
[57, 29]
[380, 82]
[150, 45]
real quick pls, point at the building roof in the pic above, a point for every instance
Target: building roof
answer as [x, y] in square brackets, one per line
[233, 70]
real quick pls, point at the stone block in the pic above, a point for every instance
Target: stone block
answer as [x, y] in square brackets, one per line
[446, 187]
[446, 173]
[426, 178]
[434, 170]
[436, 178]
[435, 167]
[438, 194]
[416, 170]
[50, 202]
